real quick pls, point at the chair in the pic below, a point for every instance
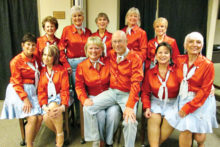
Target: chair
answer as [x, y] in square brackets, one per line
[82, 125]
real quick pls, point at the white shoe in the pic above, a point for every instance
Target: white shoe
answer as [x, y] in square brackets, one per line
[96, 143]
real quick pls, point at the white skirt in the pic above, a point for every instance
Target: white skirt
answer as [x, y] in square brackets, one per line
[200, 121]
[12, 107]
[158, 106]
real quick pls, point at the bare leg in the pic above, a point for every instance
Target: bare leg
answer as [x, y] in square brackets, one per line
[30, 130]
[38, 125]
[185, 139]
[200, 139]
[58, 124]
[153, 128]
[49, 123]
[166, 131]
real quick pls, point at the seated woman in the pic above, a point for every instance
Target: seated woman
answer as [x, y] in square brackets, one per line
[50, 25]
[159, 92]
[21, 99]
[102, 22]
[195, 111]
[160, 27]
[53, 91]
[92, 78]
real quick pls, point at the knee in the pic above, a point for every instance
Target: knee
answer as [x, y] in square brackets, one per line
[113, 113]
[200, 138]
[53, 105]
[32, 119]
[101, 116]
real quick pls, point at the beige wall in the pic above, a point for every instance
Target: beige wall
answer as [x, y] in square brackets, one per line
[217, 32]
[110, 7]
[46, 8]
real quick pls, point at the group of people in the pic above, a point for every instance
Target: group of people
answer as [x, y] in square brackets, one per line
[110, 72]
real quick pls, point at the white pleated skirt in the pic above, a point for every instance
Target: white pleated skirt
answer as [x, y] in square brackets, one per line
[200, 121]
[12, 107]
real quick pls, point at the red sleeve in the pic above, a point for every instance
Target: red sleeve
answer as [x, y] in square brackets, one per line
[175, 49]
[204, 91]
[64, 92]
[80, 84]
[42, 90]
[143, 45]
[62, 46]
[17, 79]
[136, 78]
[146, 92]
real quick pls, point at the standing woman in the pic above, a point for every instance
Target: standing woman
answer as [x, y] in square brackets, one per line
[195, 111]
[50, 25]
[92, 78]
[72, 44]
[21, 99]
[102, 22]
[136, 37]
[160, 27]
[159, 92]
[53, 91]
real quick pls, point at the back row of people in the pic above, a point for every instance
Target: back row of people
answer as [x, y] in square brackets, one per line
[121, 70]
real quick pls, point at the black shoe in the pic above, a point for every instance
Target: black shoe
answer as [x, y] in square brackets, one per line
[106, 145]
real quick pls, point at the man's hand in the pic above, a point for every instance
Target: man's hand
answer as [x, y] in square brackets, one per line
[88, 102]
[129, 114]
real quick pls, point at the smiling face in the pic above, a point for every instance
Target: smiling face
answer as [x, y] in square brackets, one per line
[160, 29]
[132, 19]
[28, 48]
[47, 58]
[49, 28]
[119, 42]
[193, 45]
[94, 51]
[163, 55]
[102, 23]
[77, 18]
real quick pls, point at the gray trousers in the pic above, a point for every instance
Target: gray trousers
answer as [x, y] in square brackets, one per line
[101, 102]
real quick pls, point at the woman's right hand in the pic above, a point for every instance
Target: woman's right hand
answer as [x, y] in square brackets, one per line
[147, 113]
[27, 106]
[88, 102]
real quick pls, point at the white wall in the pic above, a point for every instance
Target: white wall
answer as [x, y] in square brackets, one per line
[46, 8]
[217, 32]
[110, 7]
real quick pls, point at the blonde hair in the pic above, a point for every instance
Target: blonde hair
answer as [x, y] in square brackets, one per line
[94, 40]
[161, 20]
[54, 52]
[136, 11]
[196, 35]
[102, 15]
[76, 9]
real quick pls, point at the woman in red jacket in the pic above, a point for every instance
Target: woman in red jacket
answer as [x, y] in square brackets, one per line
[102, 22]
[136, 36]
[50, 25]
[21, 99]
[92, 78]
[159, 91]
[53, 92]
[160, 27]
[195, 111]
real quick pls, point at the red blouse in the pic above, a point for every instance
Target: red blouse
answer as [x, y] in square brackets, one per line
[42, 43]
[21, 73]
[137, 41]
[108, 41]
[61, 82]
[151, 85]
[200, 83]
[73, 43]
[90, 81]
[127, 75]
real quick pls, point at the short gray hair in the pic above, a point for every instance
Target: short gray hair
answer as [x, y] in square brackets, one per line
[76, 9]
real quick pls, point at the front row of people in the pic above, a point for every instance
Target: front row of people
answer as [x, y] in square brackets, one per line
[175, 94]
